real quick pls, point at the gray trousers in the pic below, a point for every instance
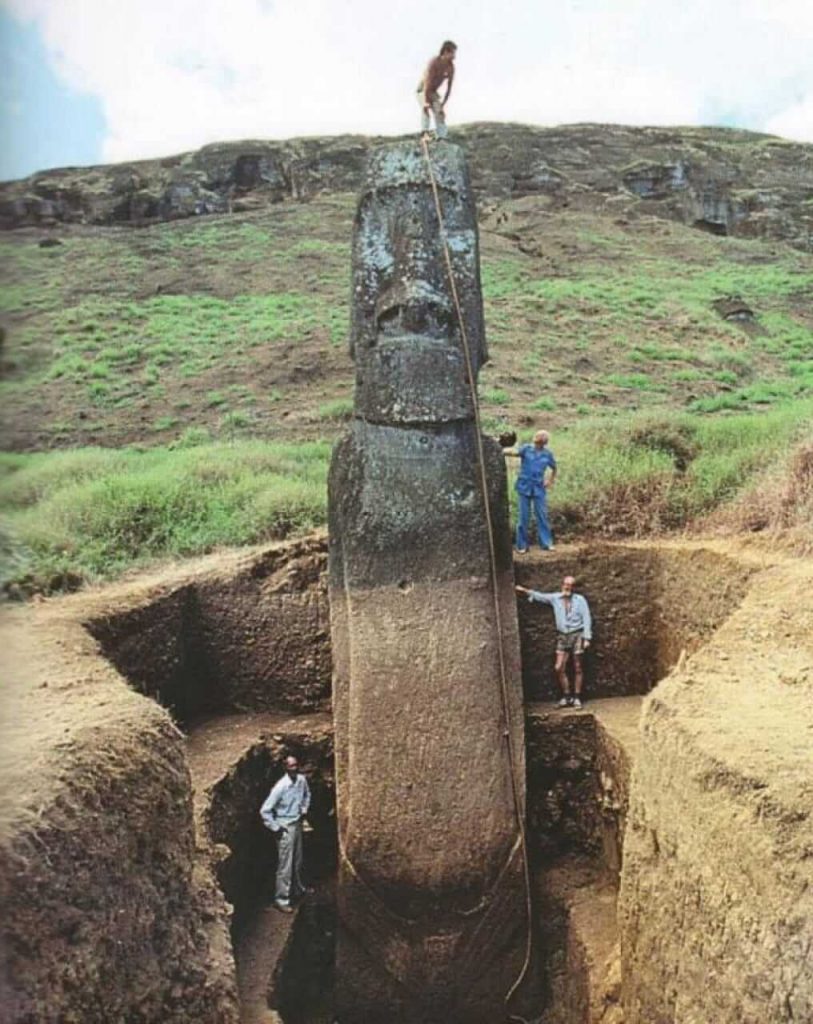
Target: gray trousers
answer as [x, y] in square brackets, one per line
[289, 865]
[437, 110]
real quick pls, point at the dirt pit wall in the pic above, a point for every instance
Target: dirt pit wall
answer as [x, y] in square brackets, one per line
[716, 902]
[248, 633]
[92, 742]
[649, 603]
[103, 916]
[253, 633]
[231, 816]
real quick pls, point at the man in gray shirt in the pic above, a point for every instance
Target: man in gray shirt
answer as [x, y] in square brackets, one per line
[283, 812]
[574, 631]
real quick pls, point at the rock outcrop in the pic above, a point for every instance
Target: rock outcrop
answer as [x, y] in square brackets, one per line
[431, 903]
[720, 180]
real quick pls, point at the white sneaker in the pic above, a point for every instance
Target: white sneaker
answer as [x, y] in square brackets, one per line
[564, 702]
[577, 704]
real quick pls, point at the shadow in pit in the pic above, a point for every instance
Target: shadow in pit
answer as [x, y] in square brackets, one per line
[303, 982]
[246, 866]
[578, 777]
[648, 606]
[274, 954]
[253, 641]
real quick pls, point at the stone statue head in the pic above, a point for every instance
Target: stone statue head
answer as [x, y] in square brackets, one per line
[405, 331]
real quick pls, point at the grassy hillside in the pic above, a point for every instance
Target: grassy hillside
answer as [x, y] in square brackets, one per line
[238, 324]
[214, 350]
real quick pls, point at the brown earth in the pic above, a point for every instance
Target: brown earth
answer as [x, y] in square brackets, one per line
[98, 818]
[716, 908]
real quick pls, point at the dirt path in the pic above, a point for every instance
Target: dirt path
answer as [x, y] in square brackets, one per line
[257, 952]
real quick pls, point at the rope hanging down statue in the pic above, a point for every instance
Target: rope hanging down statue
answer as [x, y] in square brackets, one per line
[432, 888]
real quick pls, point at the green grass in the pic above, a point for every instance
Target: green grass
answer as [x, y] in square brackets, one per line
[635, 381]
[654, 471]
[131, 320]
[95, 512]
[337, 409]
[495, 396]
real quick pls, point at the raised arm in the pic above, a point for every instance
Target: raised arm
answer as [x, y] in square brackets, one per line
[536, 595]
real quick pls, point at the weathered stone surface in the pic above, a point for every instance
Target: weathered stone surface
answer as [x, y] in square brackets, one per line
[719, 179]
[405, 339]
[430, 896]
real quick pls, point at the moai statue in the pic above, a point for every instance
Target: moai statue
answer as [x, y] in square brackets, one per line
[431, 894]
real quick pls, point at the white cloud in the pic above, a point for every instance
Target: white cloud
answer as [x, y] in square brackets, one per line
[176, 74]
[796, 122]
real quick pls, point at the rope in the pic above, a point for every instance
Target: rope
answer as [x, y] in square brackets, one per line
[494, 580]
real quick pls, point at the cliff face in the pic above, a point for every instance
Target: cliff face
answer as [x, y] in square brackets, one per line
[720, 180]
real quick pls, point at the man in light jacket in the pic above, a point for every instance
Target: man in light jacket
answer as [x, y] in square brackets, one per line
[283, 812]
[574, 632]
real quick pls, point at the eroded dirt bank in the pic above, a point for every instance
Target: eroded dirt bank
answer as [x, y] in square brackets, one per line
[105, 914]
[717, 889]
[98, 821]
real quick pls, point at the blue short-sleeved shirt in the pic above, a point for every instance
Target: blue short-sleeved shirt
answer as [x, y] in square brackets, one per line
[533, 464]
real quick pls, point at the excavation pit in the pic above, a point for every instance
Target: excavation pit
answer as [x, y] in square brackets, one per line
[578, 773]
[120, 817]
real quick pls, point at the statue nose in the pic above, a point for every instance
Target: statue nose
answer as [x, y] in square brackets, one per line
[416, 315]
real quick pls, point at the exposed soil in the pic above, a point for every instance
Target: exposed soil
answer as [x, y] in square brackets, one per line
[97, 772]
[234, 760]
[249, 633]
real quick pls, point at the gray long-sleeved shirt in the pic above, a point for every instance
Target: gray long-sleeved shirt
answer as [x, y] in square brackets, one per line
[577, 618]
[287, 802]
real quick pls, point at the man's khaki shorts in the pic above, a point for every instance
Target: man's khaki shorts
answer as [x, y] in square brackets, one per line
[573, 643]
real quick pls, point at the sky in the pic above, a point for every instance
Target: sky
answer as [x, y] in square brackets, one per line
[98, 81]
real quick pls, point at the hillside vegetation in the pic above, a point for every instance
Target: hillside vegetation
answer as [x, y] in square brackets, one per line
[175, 387]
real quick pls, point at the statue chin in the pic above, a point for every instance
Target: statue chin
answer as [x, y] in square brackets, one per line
[413, 380]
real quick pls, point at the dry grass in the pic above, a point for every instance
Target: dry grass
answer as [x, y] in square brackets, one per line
[779, 505]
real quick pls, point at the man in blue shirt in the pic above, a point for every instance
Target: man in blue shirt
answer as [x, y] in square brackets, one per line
[574, 632]
[283, 812]
[537, 472]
